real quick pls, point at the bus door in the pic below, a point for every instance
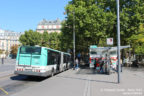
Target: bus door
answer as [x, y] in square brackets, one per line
[58, 61]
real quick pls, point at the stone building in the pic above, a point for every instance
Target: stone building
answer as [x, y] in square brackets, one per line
[8, 39]
[49, 26]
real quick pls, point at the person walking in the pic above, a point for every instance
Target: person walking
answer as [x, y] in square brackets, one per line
[79, 57]
[2, 60]
[77, 63]
[101, 62]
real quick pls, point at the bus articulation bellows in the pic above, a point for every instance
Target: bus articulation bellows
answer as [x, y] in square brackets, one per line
[41, 61]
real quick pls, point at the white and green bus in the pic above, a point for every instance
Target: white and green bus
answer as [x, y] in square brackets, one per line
[41, 61]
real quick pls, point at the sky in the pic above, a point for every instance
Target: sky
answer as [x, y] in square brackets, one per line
[21, 15]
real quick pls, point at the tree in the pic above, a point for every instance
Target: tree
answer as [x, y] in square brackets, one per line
[131, 18]
[137, 41]
[54, 40]
[30, 38]
[14, 50]
[1, 51]
[45, 39]
[91, 24]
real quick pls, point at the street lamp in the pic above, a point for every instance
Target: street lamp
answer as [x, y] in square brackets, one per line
[118, 40]
[74, 37]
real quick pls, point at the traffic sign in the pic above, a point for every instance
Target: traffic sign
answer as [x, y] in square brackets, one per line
[109, 41]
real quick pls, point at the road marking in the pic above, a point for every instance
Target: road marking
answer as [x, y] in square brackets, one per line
[4, 91]
[85, 90]
[87, 87]
[2, 77]
[5, 72]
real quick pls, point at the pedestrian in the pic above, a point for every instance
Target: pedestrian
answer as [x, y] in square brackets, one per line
[101, 62]
[121, 64]
[97, 66]
[79, 57]
[77, 63]
[2, 60]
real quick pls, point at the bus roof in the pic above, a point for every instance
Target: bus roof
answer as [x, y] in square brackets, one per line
[46, 48]
[52, 49]
[67, 53]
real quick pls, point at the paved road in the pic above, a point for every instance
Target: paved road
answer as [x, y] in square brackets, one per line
[8, 65]
[11, 83]
[14, 84]
[86, 83]
[71, 83]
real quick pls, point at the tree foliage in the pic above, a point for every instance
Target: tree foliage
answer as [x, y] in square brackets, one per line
[91, 24]
[95, 20]
[54, 40]
[46, 39]
[1, 51]
[14, 49]
[30, 38]
[51, 40]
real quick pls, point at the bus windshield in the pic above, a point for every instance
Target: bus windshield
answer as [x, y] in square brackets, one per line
[30, 50]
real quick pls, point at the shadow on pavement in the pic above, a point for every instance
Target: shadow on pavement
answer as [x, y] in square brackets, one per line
[85, 70]
[68, 77]
[28, 78]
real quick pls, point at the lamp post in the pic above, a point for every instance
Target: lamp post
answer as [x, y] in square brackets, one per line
[118, 40]
[74, 38]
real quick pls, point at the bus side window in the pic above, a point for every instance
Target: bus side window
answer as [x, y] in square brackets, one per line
[50, 58]
[64, 58]
[59, 55]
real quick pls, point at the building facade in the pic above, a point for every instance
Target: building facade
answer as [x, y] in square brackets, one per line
[49, 26]
[8, 39]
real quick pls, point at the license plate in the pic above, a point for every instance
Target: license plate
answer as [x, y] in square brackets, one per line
[28, 69]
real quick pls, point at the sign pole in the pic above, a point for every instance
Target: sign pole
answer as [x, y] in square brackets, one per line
[118, 40]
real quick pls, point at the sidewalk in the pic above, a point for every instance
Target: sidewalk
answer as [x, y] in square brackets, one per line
[8, 61]
[8, 67]
[81, 83]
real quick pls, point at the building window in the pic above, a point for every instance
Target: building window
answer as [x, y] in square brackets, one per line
[45, 27]
[42, 27]
[50, 27]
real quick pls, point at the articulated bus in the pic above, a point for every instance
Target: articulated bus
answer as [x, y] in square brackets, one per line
[41, 61]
